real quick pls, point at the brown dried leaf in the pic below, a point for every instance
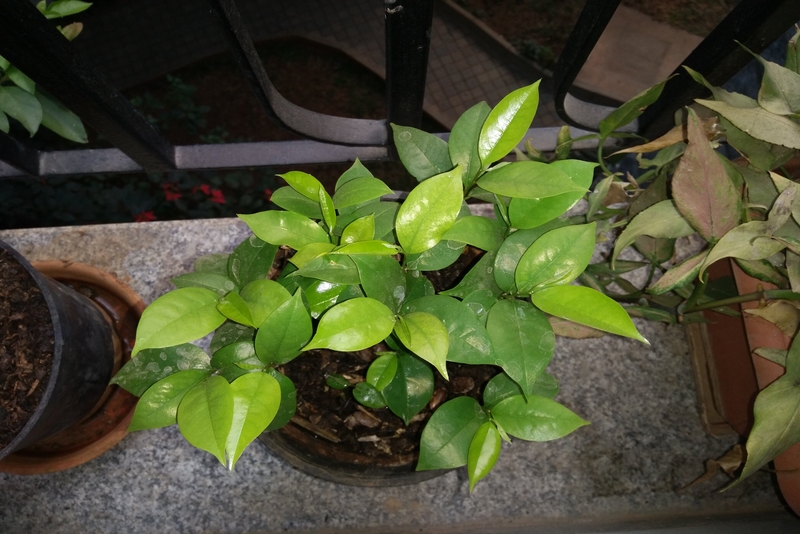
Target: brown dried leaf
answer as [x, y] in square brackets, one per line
[728, 463]
[780, 313]
[672, 137]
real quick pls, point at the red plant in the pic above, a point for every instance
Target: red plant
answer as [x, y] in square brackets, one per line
[170, 191]
[217, 196]
[145, 216]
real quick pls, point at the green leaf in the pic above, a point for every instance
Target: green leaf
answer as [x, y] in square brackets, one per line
[362, 229]
[65, 8]
[158, 406]
[384, 213]
[446, 438]
[759, 123]
[235, 308]
[529, 179]
[424, 155]
[231, 333]
[630, 110]
[310, 252]
[321, 295]
[337, 382]
[303, 183]
[507, 124]
[205, 416]
[382, 279]
[241, 353]
[288, 404]
[480, 232]
[152, 365]
[367, 395]
[251, 260]
[178, 317]
[56, 117]
[469, 341]
[500, 387]
[328, 210]
[382, 370]
[281, 337]
[523, 341]
[212, 263]
[512, 249]
[285, 228]
[780, 88]
[680, 275]
[748, 241]
[411, 388]
[262, 298]
[480, 302]
[4, 125]
[429, 211]
[479, 278]
[444, 254]
[537, 419]
[734, 99]
[4, 63]
[334, 268]
[71, 31]
[761, 155]
[556, 258]
[290, 200]
[426, 336]
[353, 325]
[22, 106]
[703, 193]
[765, 271]
[463, 142]
[256, 399]
[659, 220]
[217, 283]
[22, 81]
[588, 307]
[484, 449]
[356, 170]
[374, 247]
[417, 286]
[358, 191]
[774, 355]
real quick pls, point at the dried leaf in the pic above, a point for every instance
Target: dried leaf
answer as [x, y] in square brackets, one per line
[780, 313]
[564, 328]
[672, 137]
[728, 463]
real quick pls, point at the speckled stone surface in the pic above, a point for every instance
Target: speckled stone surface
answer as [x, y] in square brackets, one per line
[645, 440]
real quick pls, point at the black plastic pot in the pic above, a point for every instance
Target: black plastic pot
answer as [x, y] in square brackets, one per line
[83, 360]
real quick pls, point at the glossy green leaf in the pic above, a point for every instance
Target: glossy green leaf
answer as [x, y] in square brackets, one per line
[484, 449]
[468, 340]
[178, 317]
[281, 337]
[356, 170]
[630, 110]
[411, 388]
[285, 228]
[418, 286]
[362, 229]
[679, 275]
[4, 63]
[382, 370]
[328, 210]
[500, 387]
[367, 395]
[21, 80]
[353, 325]
[205, 416]
[759, 123]
[231, 333]
[383, 212]
[480, 302]
[429, 211]
[22, 106]
[587, 307]
[507, 124]
[529, 179]
[288, 405]
[65, 8]
[557, 257]
[4, 125]
[235, 308]
[444, 254]
[256, 399]
[158, 406]
[310, 252]
[56, 117]
[523, 340]
[290, 200]
[321, 295]
[426, 336]
[212, 263]
[152, 365]
[358, 191]
[334, 268]
[512, 249]
[535, 419]
[463, 142]
[446, 438]
[382, 279]
[232, 372]
[424, 155]
[546, 386]
[660, 220]
[337, 382]
[373, 247]
[303, 183]
[703, 193]
[241, 353]
[262, 298]
[219, 284]
[480, 232]
[479, 278]
[251, 260]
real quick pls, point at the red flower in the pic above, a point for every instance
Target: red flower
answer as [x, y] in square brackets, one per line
[205, 188]
[217, 196]
[145, 216]
[170, 192]
[268, 193]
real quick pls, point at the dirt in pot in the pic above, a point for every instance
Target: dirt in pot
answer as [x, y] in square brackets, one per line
[26, 347]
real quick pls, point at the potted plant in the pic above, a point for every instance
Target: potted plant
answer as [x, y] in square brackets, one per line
[353, 275]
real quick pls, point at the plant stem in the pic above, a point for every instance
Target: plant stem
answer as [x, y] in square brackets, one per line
[770, 294]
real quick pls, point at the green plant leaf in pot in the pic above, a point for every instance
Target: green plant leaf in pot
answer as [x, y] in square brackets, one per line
[205, 416]
[535, 419]
[507, 124]
[256, 399]
[355, 324]
[424, 155]
[630, 110]
[463, 142]
[410, 389]
[283, 334]
[557, 257]
[158, 405]
[447, 436]
[152, 365]
[484, 450]
[426, 336]
[285, 228]
[251, 260]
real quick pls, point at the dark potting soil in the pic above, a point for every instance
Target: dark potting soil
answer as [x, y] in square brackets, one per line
[26, 347]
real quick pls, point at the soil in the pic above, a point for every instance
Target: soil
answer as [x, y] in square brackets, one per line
[26, 347]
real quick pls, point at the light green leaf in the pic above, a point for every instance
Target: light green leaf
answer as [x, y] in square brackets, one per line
[630, 110]
[321, 295]
[759, 123]
[734, 99]
[310, 252]
[417, 286]
[212, 263]
[659, 220]
[523, 341]
[205, 416]
[334, 268]
[356, 170]
[507, 124]
[411, 388]
[512, 249]
[22, 106]
[290, 200]
[446, 438]
[241, 353]
[353, 325]
[792, 57]
[424, 155]
[59, 119]
[251, 260]
[362, 229]
[220, 284]
[382, 279]
[382, 370]
[780, 88]
[444, 254]
[368, 247]
[178, 317]
[426, 336]
[288, 404]
[558, 257]
[231, 333]
[22, 81]
[484, 450]
[463, 142]
[152, 365]
[429, 211]
[235, 308]
[281, 337]
[384, 213]
[529, 179]
[303, 183]
[285, 228]
[158, 406]
[761, 155]
[480, 232]
[65, 8]
[256, 398]
[358, 191]
[262, 298]
[774, 355]
[328, 210]
[537, 419]
[4, 63]
[748, 241]
[71, 31]
[500, 387]
[587, 307]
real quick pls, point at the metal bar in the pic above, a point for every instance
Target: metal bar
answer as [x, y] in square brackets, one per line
[15, 153]
[408, 38]
[754, 23]
[364, 132]
[36, 47]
